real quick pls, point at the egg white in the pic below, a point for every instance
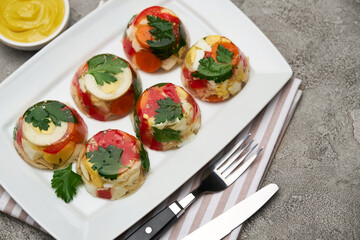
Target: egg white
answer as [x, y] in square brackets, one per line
[202, 44]
[44, 138]
[124, 78]
[199, 54]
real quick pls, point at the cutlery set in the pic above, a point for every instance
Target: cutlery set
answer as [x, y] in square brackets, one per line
[217, 177]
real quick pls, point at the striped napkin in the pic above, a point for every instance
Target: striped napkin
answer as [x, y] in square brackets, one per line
[268, 128]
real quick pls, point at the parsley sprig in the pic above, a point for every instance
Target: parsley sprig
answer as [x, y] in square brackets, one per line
[104, 67]
[164, 44]
[42, 113]
[65, 182]
[166, 135]
[168, 110]
[107, 161]
[144, 158]
[219, 70]
[136, 125]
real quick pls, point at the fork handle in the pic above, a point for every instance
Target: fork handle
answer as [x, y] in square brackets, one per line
[162, 221]
[158, 224]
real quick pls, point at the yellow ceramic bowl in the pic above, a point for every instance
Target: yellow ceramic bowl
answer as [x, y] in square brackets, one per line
[29, 46]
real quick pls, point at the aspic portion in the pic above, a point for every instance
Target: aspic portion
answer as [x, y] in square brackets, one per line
[215, 69]
[50, 135]
[113, 164]
[166, 117]
[155, 38]
[106, 87]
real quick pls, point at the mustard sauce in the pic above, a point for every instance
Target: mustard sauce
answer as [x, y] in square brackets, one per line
[30, 20]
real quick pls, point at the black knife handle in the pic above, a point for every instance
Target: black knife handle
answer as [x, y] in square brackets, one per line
[155, 227]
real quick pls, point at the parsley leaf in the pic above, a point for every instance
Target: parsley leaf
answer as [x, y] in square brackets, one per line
[218, 71]
[160, 84]
[130, 21]
[15, 130]
[224, 55]
[182, 36]
[104, 67]
[166, 135]
[136, 125]
[168, 110]
[41, 113]
[57, 114]
[164, 44]
[65, 182]
[144, 157]
[107, 161]
[137, 87]
[211, 70]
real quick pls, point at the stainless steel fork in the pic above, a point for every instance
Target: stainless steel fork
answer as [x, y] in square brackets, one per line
[215, 178]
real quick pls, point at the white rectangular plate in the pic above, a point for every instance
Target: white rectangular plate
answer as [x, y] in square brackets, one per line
[48, 75]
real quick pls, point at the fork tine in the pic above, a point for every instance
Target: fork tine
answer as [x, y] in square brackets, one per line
[231, 152]
[237, 163]
[233, 158]
[235, 174]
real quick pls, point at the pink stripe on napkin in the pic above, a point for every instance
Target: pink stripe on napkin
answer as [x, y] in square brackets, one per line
[268, 128]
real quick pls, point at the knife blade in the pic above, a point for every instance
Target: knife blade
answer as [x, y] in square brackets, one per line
[222, 225]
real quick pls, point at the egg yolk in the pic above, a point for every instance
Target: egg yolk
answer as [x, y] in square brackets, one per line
[50, 130]
[30, 20]
[110, 87]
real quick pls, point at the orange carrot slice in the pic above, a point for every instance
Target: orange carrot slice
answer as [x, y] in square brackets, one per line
[214, 98]
[147, 61]
[231, 47]
[142, 35]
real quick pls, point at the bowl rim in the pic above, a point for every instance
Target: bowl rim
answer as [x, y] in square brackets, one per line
[40, 43]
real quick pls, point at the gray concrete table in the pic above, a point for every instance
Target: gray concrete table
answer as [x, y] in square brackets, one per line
[317, 165]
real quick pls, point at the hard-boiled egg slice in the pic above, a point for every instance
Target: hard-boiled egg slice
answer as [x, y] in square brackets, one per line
[190, 57]
[93, 174]
[196, 53]
[109, 91]
[211, 39]
[44, 137]
[30, 149]
[202, 44]
[199, 54]
[193, 57]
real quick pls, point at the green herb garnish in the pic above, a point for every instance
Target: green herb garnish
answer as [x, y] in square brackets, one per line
[15, 130]
[136, 125]
[164, 44]
[182, 37]
[130, 21]
[42, 113]
[160, 84]
[218, 71]
[224, 55]
[65, 182]
[137, 87]
[144, 157]
[166, 135]
[104, 67]
[168, 110]
[107, 161]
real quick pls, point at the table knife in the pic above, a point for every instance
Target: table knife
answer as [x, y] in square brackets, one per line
[222, 225]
